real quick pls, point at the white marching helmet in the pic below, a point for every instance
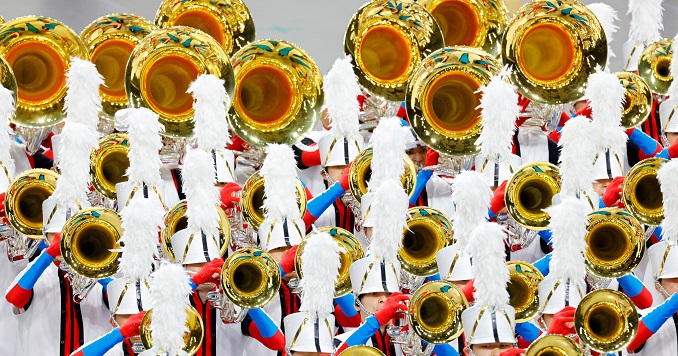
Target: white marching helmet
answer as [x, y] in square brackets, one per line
[486, 325]
[664, 259]
[372, 275]
[224, 164]
[277, 233]
[453, 264]
[558, 293]
[310, 334]
[365, 208]
[413, 140]
[497, 172]
[607, 166]
[668, 109]
[190, 248]
[123, 191]
[128, 297]
[54, 217]
[339, 151]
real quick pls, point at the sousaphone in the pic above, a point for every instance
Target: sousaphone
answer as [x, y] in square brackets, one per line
[654, 65]
[641, 192]
[637, 99]
[193, 336]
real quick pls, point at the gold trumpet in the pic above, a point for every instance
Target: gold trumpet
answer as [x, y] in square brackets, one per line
[24, 197]
[250, 278]
[606, 320]
[523, 289]
[252, 200]
[654, 65]
[428, 231]
[641, 192]
[553, 47]
[435, 312]
[530, 190]
[388, 39]
[361, 171]
[554, 345]
[637, 99]
[109, 164]
[192, 338]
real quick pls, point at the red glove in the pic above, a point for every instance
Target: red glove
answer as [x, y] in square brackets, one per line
[431, 157]
[523, 102]
[563, 322]
[343, 181]
[613, 192]
[131, 327]
[512, 352]
[497, 203]
[237, 144]
[468, 290]
[54, 248]
[3, 215]
[392, 307]
[673, 150]
[228, 200]
[209, 273]
[287, 261]
[585, 111]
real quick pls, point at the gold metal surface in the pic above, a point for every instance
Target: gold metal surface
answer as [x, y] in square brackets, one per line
[442, 98]
[24, 197]
[637, 99]
[362, 350]
[523, 289]
[530, 190]
[7, 78]
[250, 278]
[192, 338]
[554, 345]
[109, 163]
[552, 47]
[435, 312]
[252, 200]
[641, 192]
[361, 171]
[606, 320]
[654, 65]
[428, 231]
[615, 243]
[387, 40]
[278, 93]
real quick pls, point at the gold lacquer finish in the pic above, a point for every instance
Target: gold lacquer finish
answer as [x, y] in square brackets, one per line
[435, 312]
[442, 99]
[109, 163]
[473, 23]
[110, 40]
[87, 241]
[229, 22]
[192, 338]
[176, 220]
[278, 93]
[7, 78]
[615, 243]
[554, 345]
[637, 99]
[387, 40]
[39, 50]
[641, 192]
[523, 289]
[529, 191]
[654, 65]
[2, 20]
[163, 65]
[362, 350]
[24, 197]
[428, 231]
[252, 200]
[361, 171]
[552, 47]
[353, 251]
[606, 320]
[250, 278]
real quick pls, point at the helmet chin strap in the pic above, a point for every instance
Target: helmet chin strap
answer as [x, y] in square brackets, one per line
[362, 307]
[661, 289]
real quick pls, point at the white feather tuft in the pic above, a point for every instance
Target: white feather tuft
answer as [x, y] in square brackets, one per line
[211, 103]
[568, 235]
[341, 98]
[169, 294]
[389, 207]
[673, 88]
[142, 219]
[646, 21]
[82, 102]
[280, 182]
[499, 105]
[606, 94]
[668, 180]
[577, 155]
[6, 112]
[145, 144]
[321, 261]
[388, 146]
[78, 141]
[606, 16]
[202, 196]
[486, 247]
[471, 196]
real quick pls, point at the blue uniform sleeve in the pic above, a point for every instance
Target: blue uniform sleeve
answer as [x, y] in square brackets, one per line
[543, 264]
[264, 323]
[422, 179]
[320, 203]
[364, 332]
[347, 303]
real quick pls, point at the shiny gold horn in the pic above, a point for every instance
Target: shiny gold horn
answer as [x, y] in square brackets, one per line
[529, 190]
[442, 99]
[615, 243]
[641, 192]
[361, 171]
[362, 350]
[654, 65]
[435, 312]
[388, 39]
[24, 197]
[7, 78]
[637, 99]
[109, 164]
[252, 200]
[250, 278]
[606, 320]
[552, 47]
[192, 338]
[428, 231]
[523, 289]
[554, 345]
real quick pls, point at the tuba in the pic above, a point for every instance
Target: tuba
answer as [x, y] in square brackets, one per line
[7, 79]
[428, 231]
[24, 197]
[641, 192]
[554, 345]
[362, 350]
[192, 338]
[252, 200]
[654, 66]
[109, 164]
[606, 320]
[637, 99]
[552, 47]
[523, 289]
[361, 171]
[530, 190]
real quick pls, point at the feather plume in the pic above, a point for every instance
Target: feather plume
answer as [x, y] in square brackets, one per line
[280, 182]
[6, 112]
[388, 146]
[606, 16]
[577, 155]
[389, 207]
[141, 221]
[606, 94]
[211, 103]
[646, 21]
[499, 105]
[202, 196]
[169, 294]
[471, 195]
[486, 247]
[321, 261]
[673, 88]
[77, 143]
[145, 144]
[668, 180]
[82, 102]
[568, 228]
[341, 98]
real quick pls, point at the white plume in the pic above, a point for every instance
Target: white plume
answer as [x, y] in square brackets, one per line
[169, 294]
[606, 16]
[577, 155]
[141, 222]
[568, 235]
[606, 94]
[77, 143]
[668, 180]
[6, 112]
[280, 182]
[388, 147]
[486, 247]
[389, 207]
[471, 196]
[499, 105]
[320, 262]
[82, 102]
[145, 144]
[211, 104]
[341, 98]
[202, 196]
[673, 88]
[646, 21]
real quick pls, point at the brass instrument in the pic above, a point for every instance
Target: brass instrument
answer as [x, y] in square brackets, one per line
[606, 320]
[109, 164]
[442, 98]
[24, 197]
[39, 50]
[435, 312]
[229, 22]
[428, 231]
[361, 171]
[615, 243]
[523, 289]
[554, 345]
[529, 190]
[192, 338]
[654, 65]
[472, 23]
[387, 40]
[2, 20]
[637, 99]
[7, 79]
[552, 47]
[278, 93]
[641, 192]
[362, 350]
[252, 200]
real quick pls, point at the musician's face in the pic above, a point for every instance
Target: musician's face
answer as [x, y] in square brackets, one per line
[493, 349]
[334, 172]
[670, 285]
[193, 269]
[418, 156]
[672, 137]
[373, 301]
[600, 185]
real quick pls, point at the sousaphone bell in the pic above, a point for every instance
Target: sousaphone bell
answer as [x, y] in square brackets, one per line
[428, 231]
[641, 192]
[606, 320]
[637, 99]
[654, 66]
[192, 338]
[529, 191]
[109, 163]
[252, 200]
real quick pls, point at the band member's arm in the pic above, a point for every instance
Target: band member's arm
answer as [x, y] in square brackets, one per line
[636, 290]
[612, 194]
[100, 346]
[320, 203]
[444, 350]
[497, 203]
[649, 147]
[209, 273]
[263, 329]
[345, 312]
[528, 332]
[424, 175]
[543, 264]
[305, 158]
[669, 152]
[650, 323]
